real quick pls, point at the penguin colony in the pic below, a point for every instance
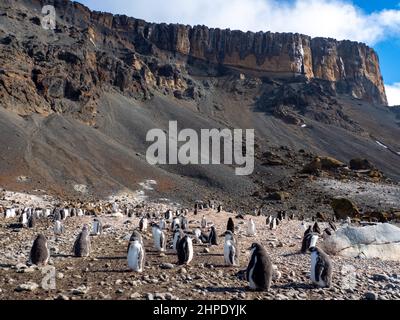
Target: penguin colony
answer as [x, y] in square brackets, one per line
[259, 272]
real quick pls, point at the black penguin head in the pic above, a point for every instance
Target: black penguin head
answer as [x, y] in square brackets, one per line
[256, 247]
[228, 235]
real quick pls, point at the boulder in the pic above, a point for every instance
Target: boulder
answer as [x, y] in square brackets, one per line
[361, 164]
[313, 167]
[378, 241]
[344, 208]
[278, 196]
[329, 163]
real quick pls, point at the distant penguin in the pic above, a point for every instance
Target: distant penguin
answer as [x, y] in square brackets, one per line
[178, 235]
[143, 224]
[162, 224]
[32, 221]
[158, 238]
[292, 216]
[230, 250]
[184, 223]
[23, 220]
[73, 212]
[269, 220]
[304, 225]
[136, 256]
[58, 227]
[251, 228]
[327, 233]
[40, 253]
[176, 223]
[212, 238]
[259, 272]
[185, 250]
[219, 210]
[97, 227]
[203, 222]
[272, 225]
[321, 268]
[195, 212]
[168, 215]
[316, 228]
[348, 220]
[332, 225]
[230, 225]
[82, 243]
[279, 216]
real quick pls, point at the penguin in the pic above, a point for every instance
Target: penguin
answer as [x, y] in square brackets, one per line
[143, 224]
[230, 225]
[212, 238]
[177, 213]
[135, 236]
[168, 215]
[269, 220]
[304, 225]
[219, 210]
[40, 253]
[259, 272]
[332, 225]
[316, 228]
[309, 240]
[162, 224]
[136, 256]
[80, 213]
[230, 250]
[82, 243]
[158, 238]
[66, 213]
[272, 225]
[178, 235]
[97, 227]
[279, 216]
[251, 228]
[203, 222]
[327, 233]
[73, 212]
[176, 223]
[32, 221]
[58, 227]
[195, 212]
[23, 220]
[292, 216]
[321, 268]
[185, 250]
[47, 213]
[184, 223]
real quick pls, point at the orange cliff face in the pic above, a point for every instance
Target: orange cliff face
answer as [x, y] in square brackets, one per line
[353, 68]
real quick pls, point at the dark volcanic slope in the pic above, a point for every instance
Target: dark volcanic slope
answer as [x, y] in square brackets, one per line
[76, 105]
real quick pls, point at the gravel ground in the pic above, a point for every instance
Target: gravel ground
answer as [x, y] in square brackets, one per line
[104, 275]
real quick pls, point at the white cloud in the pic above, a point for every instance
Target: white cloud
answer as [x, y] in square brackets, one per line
[338, 19]
[393, 94]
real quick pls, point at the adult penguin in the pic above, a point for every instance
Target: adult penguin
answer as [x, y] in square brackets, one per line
[136, 256]
[321, 268]
[230, 225]
[230, 250]
[212, 238]
[178, 235]
[259, 271]
[143, 224]
[97, 227]
[158, 238]
[316, 228]
[185, 250]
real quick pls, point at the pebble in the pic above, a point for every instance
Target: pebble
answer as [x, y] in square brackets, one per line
[29, 286]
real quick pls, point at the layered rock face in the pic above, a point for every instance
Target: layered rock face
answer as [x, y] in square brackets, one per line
[353, 67]
[91, 50]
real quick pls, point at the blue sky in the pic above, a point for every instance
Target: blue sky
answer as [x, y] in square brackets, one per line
[375, 22]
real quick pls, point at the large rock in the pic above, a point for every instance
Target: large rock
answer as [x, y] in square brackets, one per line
[344, 208]
[361, 164]
[378, 241]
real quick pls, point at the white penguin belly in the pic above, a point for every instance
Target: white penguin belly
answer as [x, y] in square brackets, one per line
[190, 248]
[133, 257]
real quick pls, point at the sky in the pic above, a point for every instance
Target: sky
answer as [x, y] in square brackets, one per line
[374, 22]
